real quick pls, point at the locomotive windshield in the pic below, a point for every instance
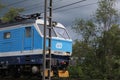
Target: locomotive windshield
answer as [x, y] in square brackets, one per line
[56, 32]
[61, 32]
[42, 30]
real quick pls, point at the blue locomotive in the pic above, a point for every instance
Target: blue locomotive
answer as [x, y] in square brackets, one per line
[21, 46]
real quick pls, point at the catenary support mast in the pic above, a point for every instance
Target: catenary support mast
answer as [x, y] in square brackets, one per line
[47, 49]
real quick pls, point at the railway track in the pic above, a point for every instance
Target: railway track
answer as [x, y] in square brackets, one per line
[20, 78]
[31, 78]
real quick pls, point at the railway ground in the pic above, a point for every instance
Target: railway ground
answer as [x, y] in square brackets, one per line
[33, 78]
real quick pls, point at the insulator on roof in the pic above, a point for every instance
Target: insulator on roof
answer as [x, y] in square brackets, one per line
[54, 23]
[25, 17]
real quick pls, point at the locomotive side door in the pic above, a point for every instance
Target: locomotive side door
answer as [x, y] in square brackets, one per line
[28, 38]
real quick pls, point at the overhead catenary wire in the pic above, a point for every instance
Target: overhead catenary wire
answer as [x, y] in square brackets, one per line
[63, 5]
[34, 5]
[18, 2]
[69, 4]
[76, 7]
[55, 9]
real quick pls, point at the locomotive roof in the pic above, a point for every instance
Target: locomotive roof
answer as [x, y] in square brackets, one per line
[40, 21]
[30, 21]
[4, 25]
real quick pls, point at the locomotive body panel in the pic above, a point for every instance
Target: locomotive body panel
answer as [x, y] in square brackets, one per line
[23, 44]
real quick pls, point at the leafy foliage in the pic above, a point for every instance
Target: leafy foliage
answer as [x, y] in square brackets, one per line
[106, 14]
[1, 6]
[11, 14]
[85, 28]
[99, 52]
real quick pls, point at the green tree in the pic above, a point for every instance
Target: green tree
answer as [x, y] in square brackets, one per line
[99, 49]
[11, 14]
[1, 6]
[84, 48]
[86, 29]
[109, 51]
[106, 14]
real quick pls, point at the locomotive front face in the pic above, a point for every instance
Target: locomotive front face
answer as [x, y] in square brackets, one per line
[61, 42]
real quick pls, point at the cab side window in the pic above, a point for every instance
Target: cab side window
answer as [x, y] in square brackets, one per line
[28, 31]
[7, 35]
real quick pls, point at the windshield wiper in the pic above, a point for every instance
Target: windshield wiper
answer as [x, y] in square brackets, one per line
[61, 35]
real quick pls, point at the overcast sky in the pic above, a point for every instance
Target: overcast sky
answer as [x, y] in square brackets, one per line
[65, 15]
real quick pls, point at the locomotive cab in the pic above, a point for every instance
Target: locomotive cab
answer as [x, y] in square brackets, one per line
[61, 40]
[58, 30]
[61, 45]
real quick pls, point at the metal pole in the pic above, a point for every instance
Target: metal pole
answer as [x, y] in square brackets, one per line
[50, 36]
[48, 59]
[44, 42]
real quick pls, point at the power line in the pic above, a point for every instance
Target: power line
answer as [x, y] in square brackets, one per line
[57, 1]
[34, 5]
[57, 7]
[18, 2]
[38, 3]
[77, 7]
[69, 4]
